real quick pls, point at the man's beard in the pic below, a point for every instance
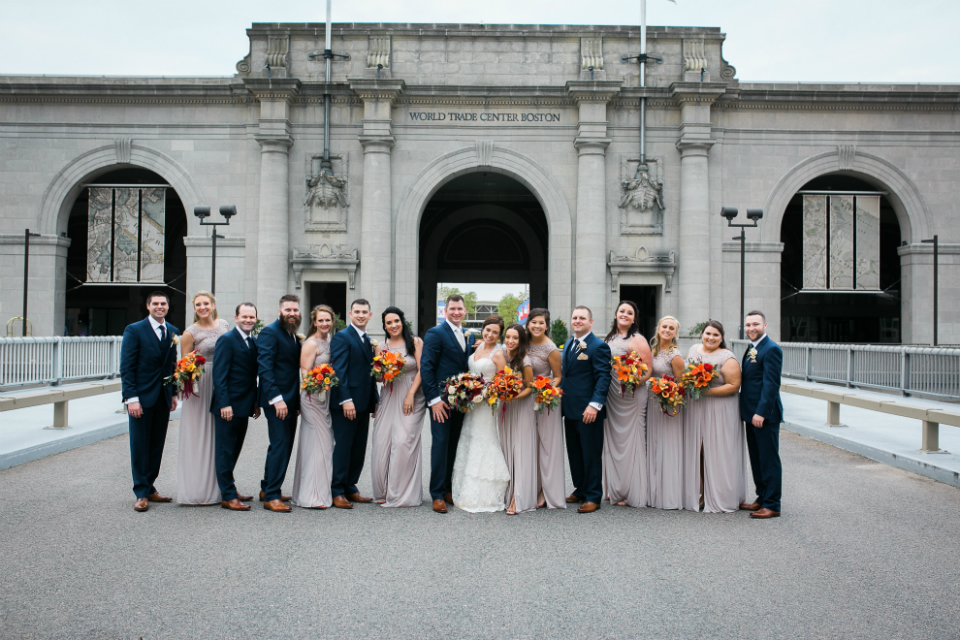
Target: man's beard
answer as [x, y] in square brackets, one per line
[291, 323]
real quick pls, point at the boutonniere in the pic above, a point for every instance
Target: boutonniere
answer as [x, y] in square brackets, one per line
[583, 345]
[752, 355]
[301, 337]
[175, 340]
[374, 344]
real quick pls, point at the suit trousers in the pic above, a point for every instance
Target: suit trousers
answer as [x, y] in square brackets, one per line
[443, 452]
[282, 434]
[349, 450]
[763, 445]
[585, 452]
[148, 434]
[228, 441]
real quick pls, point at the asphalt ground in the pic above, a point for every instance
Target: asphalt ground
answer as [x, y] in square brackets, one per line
[863, 550]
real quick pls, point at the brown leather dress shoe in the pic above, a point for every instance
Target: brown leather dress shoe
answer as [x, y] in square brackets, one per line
[765, 513]
[234, 505]
[243, 498]
[156, 497]
[283, 498]
[141, 504]
[356, 497]
[588, 507]
[573, 499]
[342, 503]
[276, 506]
[751, 506]
[448, 498]
[440, 506]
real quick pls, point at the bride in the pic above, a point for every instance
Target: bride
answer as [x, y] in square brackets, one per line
[480, 475]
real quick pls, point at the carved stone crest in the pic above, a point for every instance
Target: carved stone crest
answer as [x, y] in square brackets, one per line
[663, 262]
[325, 257]
[327, 196]
[641, 197]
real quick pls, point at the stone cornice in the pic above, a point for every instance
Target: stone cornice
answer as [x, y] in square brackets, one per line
[752, 247]
[372, 89]
[595, 91]
[43, 240]
[926, 249]
[273, 88]
[699, 92]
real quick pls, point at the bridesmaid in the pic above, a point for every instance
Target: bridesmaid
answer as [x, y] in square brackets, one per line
[665, 433]
[397, 463]
[196, 467]
[545, 359]
[715, 467]
[518, 428]
[624, 430]
[314, 469]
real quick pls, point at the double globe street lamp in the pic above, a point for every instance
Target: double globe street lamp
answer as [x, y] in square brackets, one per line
[754, 216]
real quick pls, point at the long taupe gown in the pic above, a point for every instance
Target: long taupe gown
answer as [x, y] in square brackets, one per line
[396, 452]
[664, 444]
[196, 468]
[625, 439]
[712, 425]
[550, 454]
[518, 440]
[314, 468]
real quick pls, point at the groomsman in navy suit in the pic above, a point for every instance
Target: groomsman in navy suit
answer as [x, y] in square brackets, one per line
[445, 354]
[148, 354]
[586, 378]
[234, 400]
[351, 403]
[278, 364]
[762, 411]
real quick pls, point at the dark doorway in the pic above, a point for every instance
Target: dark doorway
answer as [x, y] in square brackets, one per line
[332, 294]
[99, 309]
[645, 297]
[481, 227]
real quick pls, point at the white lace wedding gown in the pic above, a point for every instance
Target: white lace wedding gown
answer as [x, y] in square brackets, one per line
[480, 474]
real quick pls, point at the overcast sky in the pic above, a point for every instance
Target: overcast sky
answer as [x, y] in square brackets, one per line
[792, 40]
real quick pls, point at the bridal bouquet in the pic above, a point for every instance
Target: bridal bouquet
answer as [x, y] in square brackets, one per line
[547, 394]
[670, 394]
[387, 367]
[629, 369]
[319, 381]
[504, 387]
[697, 378]
[187, 374]
[464, 391]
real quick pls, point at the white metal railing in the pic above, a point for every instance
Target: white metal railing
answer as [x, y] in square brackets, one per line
[32, 361]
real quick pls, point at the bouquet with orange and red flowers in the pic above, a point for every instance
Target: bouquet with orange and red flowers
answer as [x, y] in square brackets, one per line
[547, 394]
[387, 367]
[187, 374]
[464, 391]
[629, 369]
[697, 378]
[504, 387]
[319, 381]
[669, 393]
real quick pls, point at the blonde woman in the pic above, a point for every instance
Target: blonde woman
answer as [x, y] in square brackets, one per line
[196, 466]
[665, 433]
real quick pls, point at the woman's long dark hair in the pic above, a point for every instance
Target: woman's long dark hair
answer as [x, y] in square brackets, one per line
[516, 362]
[634, 328]
[719, 327]
[404, 331]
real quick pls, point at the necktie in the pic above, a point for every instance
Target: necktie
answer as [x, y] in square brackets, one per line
[460, 339]
[247, 342]
[163, 332]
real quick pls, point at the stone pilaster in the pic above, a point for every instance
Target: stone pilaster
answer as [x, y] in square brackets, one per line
[46, 298]
[376, 223]
[694, 145]
[590, 236]
[273, 220]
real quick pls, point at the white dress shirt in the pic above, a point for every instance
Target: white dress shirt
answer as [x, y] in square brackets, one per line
[759, 340]
[246, 336]
[156, 329]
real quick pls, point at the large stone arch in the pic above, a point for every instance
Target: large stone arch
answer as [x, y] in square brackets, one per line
[484, 157]
[902, 193]
[66, 185]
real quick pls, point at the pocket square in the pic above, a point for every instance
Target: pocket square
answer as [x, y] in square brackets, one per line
[583, 356]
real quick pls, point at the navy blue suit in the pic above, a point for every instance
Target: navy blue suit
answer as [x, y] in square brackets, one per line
[145, 361]
[278, 364]
[234, 386]
[585, 381]
[352, 358]
[760, 395]
[440, 359]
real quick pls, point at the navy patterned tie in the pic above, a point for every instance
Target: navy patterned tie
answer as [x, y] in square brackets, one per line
[163, 332]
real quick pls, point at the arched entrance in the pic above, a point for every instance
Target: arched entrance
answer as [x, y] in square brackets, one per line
[481, 227]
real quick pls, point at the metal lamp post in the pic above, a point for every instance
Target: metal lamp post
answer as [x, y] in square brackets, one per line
[26, 276]
[227, 211]
[936, 254]
[754, 215]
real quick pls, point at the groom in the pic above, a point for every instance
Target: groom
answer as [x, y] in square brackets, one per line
[445, 354]
[586, 379]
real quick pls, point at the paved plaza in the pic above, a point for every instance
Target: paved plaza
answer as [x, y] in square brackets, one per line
[863, 550]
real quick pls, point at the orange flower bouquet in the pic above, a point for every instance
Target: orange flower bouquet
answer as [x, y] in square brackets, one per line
[697, 378]
[387, 367]
[629, 369]
[670, 394]
[187, 374]
[319, 381]
[504, 387]
[547, 394]
[464, 391]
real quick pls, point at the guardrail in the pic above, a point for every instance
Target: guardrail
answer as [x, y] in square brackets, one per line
[55, 360]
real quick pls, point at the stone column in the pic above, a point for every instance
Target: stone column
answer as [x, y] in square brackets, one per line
[46, 298]
[590, 236]
[273, 220]
[376, 222]
[694, 146]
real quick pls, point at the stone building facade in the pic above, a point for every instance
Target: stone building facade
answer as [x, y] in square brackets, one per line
[482, 153]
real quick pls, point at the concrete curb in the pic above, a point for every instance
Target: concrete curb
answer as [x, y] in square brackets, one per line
[924, 467]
